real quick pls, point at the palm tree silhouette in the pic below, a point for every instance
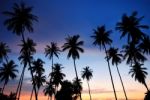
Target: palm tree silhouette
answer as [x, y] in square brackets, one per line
[139, 73]
[77, 88]
[39, 81]
[7, 72]
[147, 96]
[26, 57]
[73, 46]
[116, 58]
[145, 45]
[19, 20]
[57, 76]
[130, 26]
[49, 90]
[133, 53]
[87, 74]
[51, 51]
[4, 51]
[38, 69]
[66, 92]
[101, 38]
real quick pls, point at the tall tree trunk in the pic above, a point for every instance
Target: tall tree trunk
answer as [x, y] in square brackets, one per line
[19, 88]
[31, 94]
[33, 81]
[110, 73]
[121, 82]
[76, 76]
[146, 86]
[48, 97]
[4, 87]
[89, 90]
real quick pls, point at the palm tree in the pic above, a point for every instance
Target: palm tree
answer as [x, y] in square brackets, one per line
[130, 26]
[145, 45]
[147, 96]
[139, 73]
[38, 69]
[133, 53]
[87, 74]
[57, 76]
[27, 51]
[101, 38]
[66, 92]
[49, 90]
[7, 72]
[115, 57]
[39, 81]
[4, 51]
[77, 88]
[51, 51]
[20, 19]
[73, 46]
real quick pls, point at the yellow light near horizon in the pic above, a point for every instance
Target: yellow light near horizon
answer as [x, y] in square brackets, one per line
[95, 96]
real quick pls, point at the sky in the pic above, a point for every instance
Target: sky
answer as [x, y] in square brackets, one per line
[60, 18]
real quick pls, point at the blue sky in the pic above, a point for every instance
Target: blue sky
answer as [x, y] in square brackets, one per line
[60, 18]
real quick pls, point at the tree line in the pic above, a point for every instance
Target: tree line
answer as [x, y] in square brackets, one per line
[134, 52]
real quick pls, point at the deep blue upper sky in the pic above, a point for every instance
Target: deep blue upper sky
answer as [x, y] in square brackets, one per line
[59, 18]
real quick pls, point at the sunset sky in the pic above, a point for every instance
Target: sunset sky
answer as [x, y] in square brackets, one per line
[60, 18]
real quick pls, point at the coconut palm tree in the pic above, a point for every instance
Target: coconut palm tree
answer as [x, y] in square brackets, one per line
[130, 26]
[19, 20]
[39, 78]
[73, 46]
[147, 96]
[49, 90]
[145, 45]
[87, 74]
[139, 73]
[57, 76]
[101, 38]
[7, 72]
[116, 58]
[133, 54]
[37, 67]
[66, 92]
[77, 88]
[51, 51]
[4, 51]
[26, 57]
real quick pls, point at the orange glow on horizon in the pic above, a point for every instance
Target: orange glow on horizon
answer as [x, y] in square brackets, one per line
[95, 96]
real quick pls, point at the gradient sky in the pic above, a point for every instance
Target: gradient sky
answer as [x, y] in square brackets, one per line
[60, 18]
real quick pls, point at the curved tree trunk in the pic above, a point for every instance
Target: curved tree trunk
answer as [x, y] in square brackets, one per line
[36, 98]
[31, 94]
[3, 87]
[121, 82]
[76, 75]
[146, 86]
[89, 90]
[19, 88]
[110, 73]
